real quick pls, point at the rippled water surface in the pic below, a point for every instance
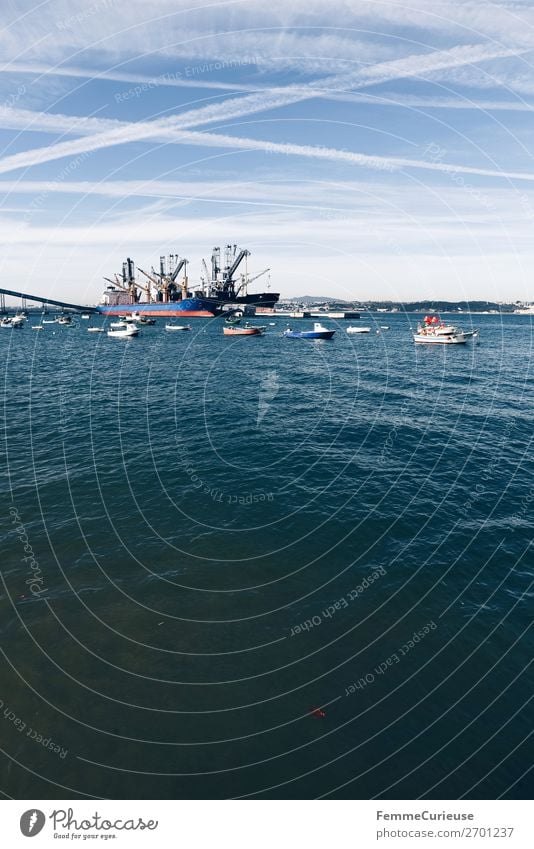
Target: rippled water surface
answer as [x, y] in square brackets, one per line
[224, 534]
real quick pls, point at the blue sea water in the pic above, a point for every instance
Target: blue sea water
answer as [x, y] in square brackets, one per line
[222, 535]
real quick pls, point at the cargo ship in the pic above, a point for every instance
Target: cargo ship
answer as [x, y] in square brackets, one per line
[166, 292]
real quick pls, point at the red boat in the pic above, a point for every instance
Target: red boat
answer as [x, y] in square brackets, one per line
[249, 330]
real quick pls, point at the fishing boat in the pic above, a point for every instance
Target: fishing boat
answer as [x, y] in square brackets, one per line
[37, 327]
[124, 332]
[358, 329]
[177, 327]
[243, 331]
[65, 320]
[318, 332]
[433, 331]
[95, 329]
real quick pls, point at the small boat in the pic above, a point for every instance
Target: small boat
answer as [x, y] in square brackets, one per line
[434, 331]
[37, 327]
[178, 327]
[95, 329]
[318, 332]
[124, 332]
[243, 331]
[232, 319]
[49, 320]
[384, 327]
[85, 316]
[16, 322]
[272, 324]
[358, 329]
[118, 324]
[137, 318]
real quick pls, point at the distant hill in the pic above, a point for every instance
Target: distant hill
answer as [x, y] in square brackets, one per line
[313, 299]
[408, 306]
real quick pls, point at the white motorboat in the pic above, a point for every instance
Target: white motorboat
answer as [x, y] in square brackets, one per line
[37, 327]
[95, 329]
[177, 327]
[124, 332]
[85, 316]
[15, 322]
[137, 318]
[432, 330]
[358, 329]
[118, 324]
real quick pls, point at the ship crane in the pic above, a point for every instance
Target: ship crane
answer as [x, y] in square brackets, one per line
[230, 270]
[245, 280]
[205, 277]
[165, 280]
[154, 280]
[127, 283]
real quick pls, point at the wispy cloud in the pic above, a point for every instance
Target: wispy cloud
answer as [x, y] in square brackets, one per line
[163, 131]
[410, 101]
[168, 79]
[234, 108]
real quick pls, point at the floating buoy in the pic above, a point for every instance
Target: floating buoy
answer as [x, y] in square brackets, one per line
[318, 713]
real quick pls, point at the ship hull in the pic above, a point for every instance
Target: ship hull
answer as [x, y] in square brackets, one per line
[189, 307]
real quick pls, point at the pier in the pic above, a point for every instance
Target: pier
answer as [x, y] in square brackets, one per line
[45, 302]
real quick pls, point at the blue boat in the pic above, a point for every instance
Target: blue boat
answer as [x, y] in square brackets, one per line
[318, 332]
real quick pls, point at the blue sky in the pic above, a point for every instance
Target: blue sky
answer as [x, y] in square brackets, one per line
[361, 149]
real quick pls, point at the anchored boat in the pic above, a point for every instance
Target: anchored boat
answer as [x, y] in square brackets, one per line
[177, 327]
[433, 331]
[247, 330]
[318, 332]
[124, 332]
